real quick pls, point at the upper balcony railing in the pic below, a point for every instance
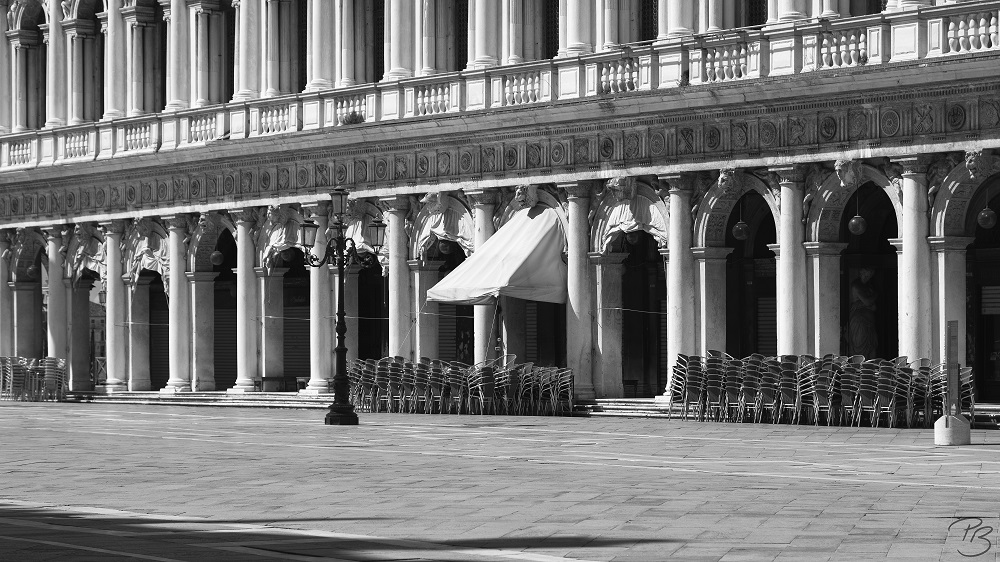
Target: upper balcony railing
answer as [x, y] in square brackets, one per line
[804, 46]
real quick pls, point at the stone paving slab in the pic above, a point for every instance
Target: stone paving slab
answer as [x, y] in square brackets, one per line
[110, 482]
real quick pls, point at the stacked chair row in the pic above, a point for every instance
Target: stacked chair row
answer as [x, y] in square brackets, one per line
[794, 388]
[27, 379]
[498, 386]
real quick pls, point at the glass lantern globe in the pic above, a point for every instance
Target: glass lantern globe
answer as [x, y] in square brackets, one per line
[987, 218]
[217, 258]
[857, 225]
[741, 231]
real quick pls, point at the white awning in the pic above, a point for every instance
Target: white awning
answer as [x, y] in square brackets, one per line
[523, 260]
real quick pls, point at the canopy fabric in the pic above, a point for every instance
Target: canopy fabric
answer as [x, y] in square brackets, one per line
[523, 260]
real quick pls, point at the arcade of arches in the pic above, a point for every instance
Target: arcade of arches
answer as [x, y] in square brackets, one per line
[868, 257]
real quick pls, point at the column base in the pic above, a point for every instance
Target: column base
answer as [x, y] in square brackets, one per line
[53, 123]
[245, 95]
[579, 49]
[240, 389]
[584, 393]
[110, 388]
[317, 85]
[174, 389]
[314, 390]
[175, 105]
[113, 114]
[204, 387]
[341, 414]
[397, 74]
[661, 399]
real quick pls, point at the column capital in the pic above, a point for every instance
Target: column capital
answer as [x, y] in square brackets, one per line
[316, 209]
[202, 276]
[678, 181]
[112, 227]
[425, 265]
[897, 243]
[246, 215]
[950, 243]
[396, 203]
[576, 189]
[181, 222]
[482, 197]
[795, 174]
[55, 231]
[711, 253]
[776, 248]
[824, 248]
[913, 165]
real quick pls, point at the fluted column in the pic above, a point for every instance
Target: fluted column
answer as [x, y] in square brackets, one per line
[137, 51]
[608, 359]
[579, 19]
[790, 10]
[55, 67]
[115, 310]
[202, 57]
[950, 256]
[680, 17]
[7, 88]
[321, 308]
[57, 313]
[824, 296]
[914, 278]
[831, 9]
[428, 34]
[911, 4]
[75, 76]
[179, 305]
[345, 42]
[248, 45]
[115, 69]
[792, 292]
[399, 278]
[178, 56]
[320, 27]
[203, 328]
[681, 325]
[579, 307]
[400, 39]
[426, 274]
[272, 57]
[662, 19]
[711, 275]
[484, 315]
[247, 364]
[514, 31]
[6, 296]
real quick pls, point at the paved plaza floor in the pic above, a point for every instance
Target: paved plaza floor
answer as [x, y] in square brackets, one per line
[118, 482]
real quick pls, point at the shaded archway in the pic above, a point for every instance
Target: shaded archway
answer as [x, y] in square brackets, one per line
[869, 285]
[295, 303]
[983, 292]
[644, 324]
[751, 299]
[455, 327]
[224, 343]
[28, 269]
[158, 341]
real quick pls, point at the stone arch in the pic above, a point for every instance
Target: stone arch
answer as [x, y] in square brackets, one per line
[85, 252]
[145, 247]
[82, 9]
[824, 218]
[26, 15]
[442, 217]
[28, 248]
[280, 231]
[204, 240]
[719, 202]
[527, 196]
[627, 205]
[960, 189]
[360, 214]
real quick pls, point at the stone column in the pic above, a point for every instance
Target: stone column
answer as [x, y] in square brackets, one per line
[483, 205]
[248, 49]
[272, 322]
[681, 322]
[78, 365]
[203, 324]
[792, 292]
[426, 274]
[399, 278]
[772, 12]
[712, 297]
[824, 296]
[272, 29]
[138, 48]
[179, 304]
[831, 9]
[579, 36]
[400, 39]
[563, 26]
[680, 16]
[178, 57]
[114, 64]
[320, 26]
[579, 307]
[19, 86]
[115, 309]
[715, 19]
[6, 296]
[75, 75]
[914, 278]
[57, 313]
[7, 88]
[662, 19]
[247, 362]
[950, 252]
[138, 336]
[791, 10]
[287, 63]
[321, 309]
[608, 344]
[27, 318]
[515, 32]
[913, 4]
[202, 56]
[55, 67]
[345, 42]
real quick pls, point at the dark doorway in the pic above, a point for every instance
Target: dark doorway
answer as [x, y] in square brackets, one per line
[751, 297]
[225, 313]
[868, 283]
[372, 339]
[644, 293]
[983, 303]
[159, 332]
[456, 339]
[296, 321]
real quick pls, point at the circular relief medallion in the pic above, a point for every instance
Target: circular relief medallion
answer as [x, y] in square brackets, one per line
[740, 135]
[712, 138]
[360, 171]
[101, 197]
[768, 133]
[381, 169]
[657, 143]
[84, 199]
[889, 122]
[213, 186]
[632, 146]
[534, 155]
[558, 153]
[465, 162]
[956, 117]
[857, 126]
[510, 157]
[303, 175]
[828, 128]
[161, 191]
[43, 204]
[444, 163]
[229, 184]
[130, 194]
[195, 188]
[988, 116]
[607, 148]
[423, 165]
[71, 200]
[265, 180]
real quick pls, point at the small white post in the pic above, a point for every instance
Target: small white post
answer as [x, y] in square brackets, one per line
[952, 428]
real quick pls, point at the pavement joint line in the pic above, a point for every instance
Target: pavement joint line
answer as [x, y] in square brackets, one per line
[90, 549]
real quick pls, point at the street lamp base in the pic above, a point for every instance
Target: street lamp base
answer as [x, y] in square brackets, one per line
[341, 414]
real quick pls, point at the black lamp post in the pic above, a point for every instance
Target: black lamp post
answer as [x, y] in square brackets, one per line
[342, 252]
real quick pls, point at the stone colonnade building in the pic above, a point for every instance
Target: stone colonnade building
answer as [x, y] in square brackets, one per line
[705, 161]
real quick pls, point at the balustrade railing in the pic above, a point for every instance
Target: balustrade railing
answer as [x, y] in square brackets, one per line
[137, 136]
[351, 110]
[843, 48]
[726, 62]
[273, 119]
[202, 128]
[522, 88]
[971, 32]
[619, 75]
[432, 99]
[19, 152]
[77, 144]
